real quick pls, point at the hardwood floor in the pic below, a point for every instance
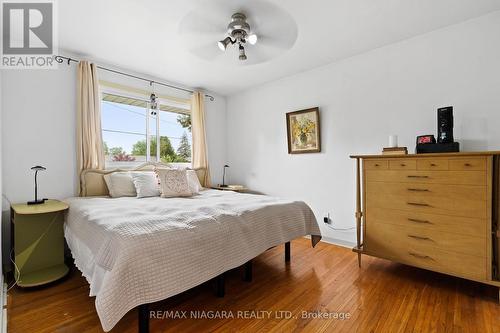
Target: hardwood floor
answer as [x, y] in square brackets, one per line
[380, 297]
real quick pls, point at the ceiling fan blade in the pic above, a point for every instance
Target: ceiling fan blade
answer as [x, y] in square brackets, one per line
[207, 51]
[260, 53]
[196, 23]
[279, 42]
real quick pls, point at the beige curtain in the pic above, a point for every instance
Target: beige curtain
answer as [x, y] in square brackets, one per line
[90, 152]
[200, 156]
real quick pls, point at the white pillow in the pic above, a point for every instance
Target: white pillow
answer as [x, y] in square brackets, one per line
[146, 184]
[173, 183]
[120, 184]
[193, 182]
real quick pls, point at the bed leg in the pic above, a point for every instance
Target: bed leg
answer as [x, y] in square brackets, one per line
[143, 318]
[220, 285]
[287, 252]
[247, 277]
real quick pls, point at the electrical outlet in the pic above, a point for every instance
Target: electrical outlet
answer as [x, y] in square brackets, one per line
[327, 219]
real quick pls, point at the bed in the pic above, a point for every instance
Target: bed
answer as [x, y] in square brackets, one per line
[138, 251]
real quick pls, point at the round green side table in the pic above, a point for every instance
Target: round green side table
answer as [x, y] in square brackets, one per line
[38, 241]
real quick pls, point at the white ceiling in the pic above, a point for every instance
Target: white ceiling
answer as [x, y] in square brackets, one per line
[145, 36]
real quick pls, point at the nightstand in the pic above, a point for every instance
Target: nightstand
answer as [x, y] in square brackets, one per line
[235, 188]
[38, 241]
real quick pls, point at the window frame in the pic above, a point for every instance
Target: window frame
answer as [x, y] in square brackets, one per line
[104, 89]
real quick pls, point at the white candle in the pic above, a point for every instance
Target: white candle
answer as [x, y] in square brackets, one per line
[393, 141]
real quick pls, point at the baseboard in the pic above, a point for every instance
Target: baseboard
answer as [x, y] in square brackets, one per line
[338, 242]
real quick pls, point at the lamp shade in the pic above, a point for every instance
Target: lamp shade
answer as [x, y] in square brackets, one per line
[37, 168]
[252, 39]
[224, 43]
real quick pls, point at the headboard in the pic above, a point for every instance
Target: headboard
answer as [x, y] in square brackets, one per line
[92, 181]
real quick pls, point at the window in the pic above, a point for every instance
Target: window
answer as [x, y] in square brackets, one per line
[131, 130]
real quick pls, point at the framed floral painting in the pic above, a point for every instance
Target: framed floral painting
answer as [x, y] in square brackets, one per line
[303, 131]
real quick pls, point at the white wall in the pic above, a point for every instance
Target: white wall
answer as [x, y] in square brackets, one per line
[38, 128]
[364, 99]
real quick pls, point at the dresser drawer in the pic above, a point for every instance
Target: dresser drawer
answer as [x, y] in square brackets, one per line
[414, 235]
[429, 191]
[468, 164]
[402, 164]
[431, 177]
[432, 164]
[432, 205]
[376, 164]
[441, 223]
[393, 244]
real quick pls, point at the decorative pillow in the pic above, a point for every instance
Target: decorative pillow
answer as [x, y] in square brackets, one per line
[193, 182]
[120, 184]
[146, 184]
[173, 183]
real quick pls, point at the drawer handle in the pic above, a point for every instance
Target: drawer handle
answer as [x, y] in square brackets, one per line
[419, 221]
[416, 255]
[403, 165]
[376, 164]
[433, 165]
[419, 237]
[418, 204]
[413, 176]
[467, 164]
[418, 190]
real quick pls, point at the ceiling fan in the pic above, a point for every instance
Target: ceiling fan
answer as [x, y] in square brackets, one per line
[239, 32]
[258, 31]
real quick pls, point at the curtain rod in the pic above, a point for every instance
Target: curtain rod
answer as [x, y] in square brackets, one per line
[60, 59]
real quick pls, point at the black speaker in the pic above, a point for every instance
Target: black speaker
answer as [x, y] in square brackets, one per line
[445, 125]
[425, 148]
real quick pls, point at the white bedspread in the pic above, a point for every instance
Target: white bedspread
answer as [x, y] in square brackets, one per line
[135, 251]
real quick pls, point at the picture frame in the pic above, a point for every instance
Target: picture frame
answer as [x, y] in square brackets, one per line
[303, 131]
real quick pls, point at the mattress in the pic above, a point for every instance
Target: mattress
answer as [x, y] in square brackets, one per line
[136, 251]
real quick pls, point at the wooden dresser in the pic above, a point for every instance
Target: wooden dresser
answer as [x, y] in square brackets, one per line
[434, 211]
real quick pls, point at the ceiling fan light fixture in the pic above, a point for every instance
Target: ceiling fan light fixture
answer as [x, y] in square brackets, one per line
[252, 39]
[223, 44]
[238, 32]
[242, 56]
[238, 22]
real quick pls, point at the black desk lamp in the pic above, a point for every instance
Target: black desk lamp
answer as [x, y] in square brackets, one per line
[36, 201]
[224, 176]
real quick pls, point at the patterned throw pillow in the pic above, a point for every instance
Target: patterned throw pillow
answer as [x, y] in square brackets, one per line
[173, 183]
